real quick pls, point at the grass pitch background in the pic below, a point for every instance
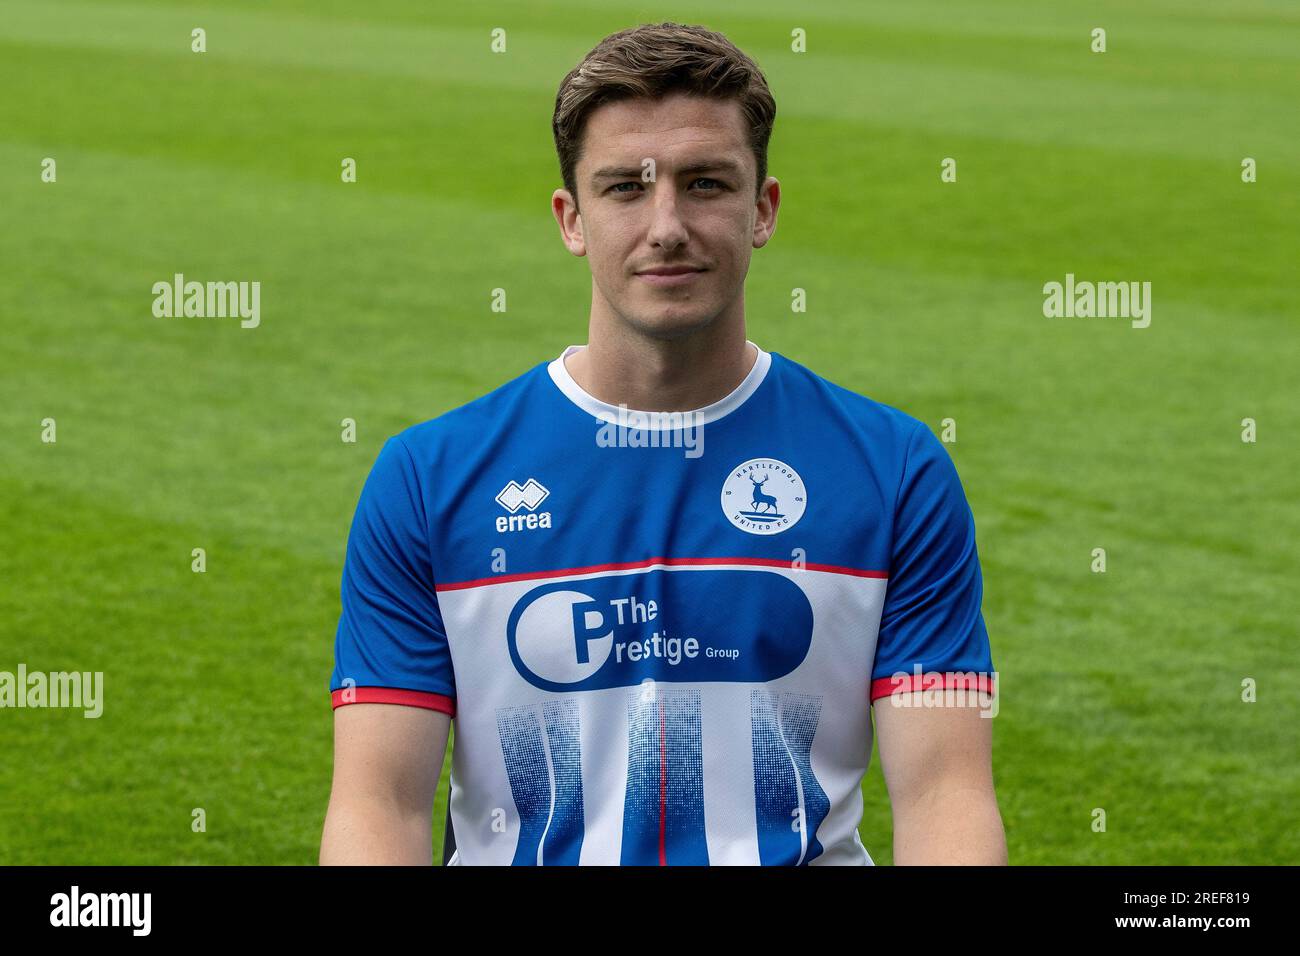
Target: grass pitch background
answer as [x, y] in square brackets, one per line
[1120, 690]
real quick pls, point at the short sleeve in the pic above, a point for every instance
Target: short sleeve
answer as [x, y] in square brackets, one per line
[932, 632]
[390, 646]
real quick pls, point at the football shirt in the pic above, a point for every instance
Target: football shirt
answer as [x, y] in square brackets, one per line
[659, 637]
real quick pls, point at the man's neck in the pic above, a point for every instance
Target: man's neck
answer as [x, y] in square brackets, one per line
[663, 375]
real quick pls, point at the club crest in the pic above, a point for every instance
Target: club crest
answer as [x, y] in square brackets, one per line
[763, 496]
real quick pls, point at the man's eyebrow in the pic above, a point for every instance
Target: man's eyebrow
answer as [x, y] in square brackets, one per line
[703, 166]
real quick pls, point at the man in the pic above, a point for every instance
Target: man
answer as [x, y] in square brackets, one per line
[661, 636]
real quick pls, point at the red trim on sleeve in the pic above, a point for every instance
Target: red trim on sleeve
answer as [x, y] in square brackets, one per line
[394, 695]
[935, 680]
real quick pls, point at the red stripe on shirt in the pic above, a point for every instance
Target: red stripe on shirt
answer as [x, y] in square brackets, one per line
[393, 695]
[935, 680]
[663, 785]
[631, 565]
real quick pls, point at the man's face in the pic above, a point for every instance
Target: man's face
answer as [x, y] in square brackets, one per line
[699, 212]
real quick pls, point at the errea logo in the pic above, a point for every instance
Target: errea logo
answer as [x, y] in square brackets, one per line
[528, 496]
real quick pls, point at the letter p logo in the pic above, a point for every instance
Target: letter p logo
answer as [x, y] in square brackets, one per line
[588, 626]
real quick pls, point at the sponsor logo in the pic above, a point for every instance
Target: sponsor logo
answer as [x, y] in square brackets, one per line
[528, 497]
[763, 496]
[618, 630]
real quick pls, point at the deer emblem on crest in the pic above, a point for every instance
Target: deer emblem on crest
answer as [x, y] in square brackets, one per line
[760, 498]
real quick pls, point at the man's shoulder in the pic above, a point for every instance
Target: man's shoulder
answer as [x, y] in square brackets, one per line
[474, 420]
[879, 424]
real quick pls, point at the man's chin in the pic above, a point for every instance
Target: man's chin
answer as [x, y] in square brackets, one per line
[671, 323]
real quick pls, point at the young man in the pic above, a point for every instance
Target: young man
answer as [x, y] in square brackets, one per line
[661, 635]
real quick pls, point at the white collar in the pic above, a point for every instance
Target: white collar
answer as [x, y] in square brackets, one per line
[606, 412]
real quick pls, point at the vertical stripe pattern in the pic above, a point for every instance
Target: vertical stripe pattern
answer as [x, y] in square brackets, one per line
[663, 809]
[789, 802]
[545, 773]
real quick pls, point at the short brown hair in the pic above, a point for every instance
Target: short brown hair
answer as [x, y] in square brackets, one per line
[654, 60]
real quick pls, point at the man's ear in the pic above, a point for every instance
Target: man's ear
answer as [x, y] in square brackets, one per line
[565, 210]
[769, 199]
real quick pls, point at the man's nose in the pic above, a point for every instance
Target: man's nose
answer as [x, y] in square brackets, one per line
[666, 226]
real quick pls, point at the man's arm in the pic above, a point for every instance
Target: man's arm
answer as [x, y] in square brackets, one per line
[387, 760]
[939, 771]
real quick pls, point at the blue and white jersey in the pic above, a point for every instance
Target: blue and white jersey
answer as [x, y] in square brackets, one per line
[659, 642]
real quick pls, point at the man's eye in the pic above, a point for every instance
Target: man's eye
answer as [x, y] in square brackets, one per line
[618, 187]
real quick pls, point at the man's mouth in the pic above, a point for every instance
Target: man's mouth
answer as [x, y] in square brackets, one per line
[670, 275]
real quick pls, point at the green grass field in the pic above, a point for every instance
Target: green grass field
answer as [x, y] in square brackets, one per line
[1120, 690]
